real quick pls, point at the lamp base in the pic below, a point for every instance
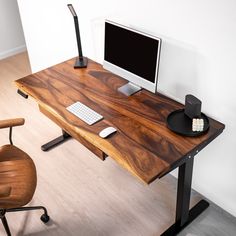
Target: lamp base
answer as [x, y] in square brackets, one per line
[81, 62]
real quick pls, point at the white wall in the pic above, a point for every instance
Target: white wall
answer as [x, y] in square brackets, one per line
[198, 56]
[11, 34]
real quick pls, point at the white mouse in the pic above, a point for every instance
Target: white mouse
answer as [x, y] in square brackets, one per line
[107, 131]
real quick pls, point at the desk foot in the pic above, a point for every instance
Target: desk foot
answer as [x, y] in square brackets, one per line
[61, 139]
[193, 214]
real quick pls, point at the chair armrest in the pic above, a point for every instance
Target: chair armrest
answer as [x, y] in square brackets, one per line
[5, 191]
[11, 122]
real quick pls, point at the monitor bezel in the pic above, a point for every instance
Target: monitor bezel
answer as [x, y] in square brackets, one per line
[129, 76]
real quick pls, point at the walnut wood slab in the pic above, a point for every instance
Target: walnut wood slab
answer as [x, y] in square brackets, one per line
[143, 144]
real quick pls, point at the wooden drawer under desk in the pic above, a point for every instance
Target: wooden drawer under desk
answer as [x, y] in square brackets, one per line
[88, 145]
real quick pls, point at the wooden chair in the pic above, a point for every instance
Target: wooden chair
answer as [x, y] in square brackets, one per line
[17, 178]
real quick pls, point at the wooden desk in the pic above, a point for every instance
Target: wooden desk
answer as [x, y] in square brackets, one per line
[143, 144]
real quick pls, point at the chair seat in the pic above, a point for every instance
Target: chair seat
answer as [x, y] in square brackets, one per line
[18, 173]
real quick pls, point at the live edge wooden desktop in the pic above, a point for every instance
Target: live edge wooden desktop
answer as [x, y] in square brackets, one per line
[143, 144]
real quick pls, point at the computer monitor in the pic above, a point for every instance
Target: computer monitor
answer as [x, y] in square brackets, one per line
[132, 55]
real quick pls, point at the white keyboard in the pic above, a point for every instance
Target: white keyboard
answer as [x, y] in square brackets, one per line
[84, 113]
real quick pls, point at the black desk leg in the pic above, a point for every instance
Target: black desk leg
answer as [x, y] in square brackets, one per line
[56, 141]
[184, 216]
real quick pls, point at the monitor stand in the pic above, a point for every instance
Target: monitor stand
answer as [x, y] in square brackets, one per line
[129, 89]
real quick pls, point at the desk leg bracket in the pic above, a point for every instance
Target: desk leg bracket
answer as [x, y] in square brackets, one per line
[22, 94]
[184, 216]
[53, 143]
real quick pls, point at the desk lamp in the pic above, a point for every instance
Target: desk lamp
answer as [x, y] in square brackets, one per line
[81, 62]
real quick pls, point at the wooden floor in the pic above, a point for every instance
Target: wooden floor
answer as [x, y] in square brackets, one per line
[85, 196]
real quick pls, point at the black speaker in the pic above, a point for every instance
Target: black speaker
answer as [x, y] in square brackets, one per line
[192, 106]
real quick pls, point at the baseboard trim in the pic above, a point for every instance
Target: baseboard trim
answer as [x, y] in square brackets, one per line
[12, 51]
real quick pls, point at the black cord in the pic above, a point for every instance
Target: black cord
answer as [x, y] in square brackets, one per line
[10, 136]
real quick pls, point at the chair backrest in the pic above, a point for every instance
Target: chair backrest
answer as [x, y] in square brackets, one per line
[18, 177]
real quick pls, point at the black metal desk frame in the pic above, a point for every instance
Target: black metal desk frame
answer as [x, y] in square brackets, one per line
[183, 216]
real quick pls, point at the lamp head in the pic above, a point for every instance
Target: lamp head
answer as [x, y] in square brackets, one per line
[72, 10]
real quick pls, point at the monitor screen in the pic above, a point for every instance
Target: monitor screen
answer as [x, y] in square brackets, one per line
[132, 54]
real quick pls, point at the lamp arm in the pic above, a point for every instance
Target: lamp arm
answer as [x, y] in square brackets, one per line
[78, 36]
[81, 61]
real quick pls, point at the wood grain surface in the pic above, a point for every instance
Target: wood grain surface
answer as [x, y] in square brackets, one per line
[11, 122]
[143, 144]
[18, 177]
